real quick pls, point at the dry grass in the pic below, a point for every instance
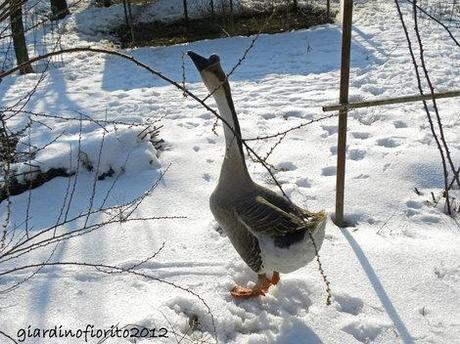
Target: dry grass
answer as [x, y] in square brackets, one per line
[245, 24]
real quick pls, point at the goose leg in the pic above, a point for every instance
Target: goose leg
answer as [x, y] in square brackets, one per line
[275, 277]
[261, 287]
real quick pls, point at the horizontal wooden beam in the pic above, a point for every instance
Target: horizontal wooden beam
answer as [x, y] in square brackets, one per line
[389, 101]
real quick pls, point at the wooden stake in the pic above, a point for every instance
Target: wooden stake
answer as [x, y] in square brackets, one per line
[343, 113]
[389, 101]
[185, 13]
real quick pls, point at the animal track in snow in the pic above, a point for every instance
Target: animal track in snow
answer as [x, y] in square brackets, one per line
[268, 115]
[330, 129]
[196, 148]
[205, 115]
[388, 142]
[286, 166]
[188, 125]
[333, 150]
[414, 204]
[349, 304]
[448, 273]
[303, 182]
[400, 124]
[365, 330]
[356, 154]
[414, 211]
[292, 113]
[360, 135]
[121, 95]
[207, 177]
[329, 171]
[431, 219]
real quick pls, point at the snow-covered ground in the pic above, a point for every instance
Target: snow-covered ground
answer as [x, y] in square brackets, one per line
[395, 275]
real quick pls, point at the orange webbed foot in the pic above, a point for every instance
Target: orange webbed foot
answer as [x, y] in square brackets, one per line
[275, 278]
[239, 292]
[260, 289]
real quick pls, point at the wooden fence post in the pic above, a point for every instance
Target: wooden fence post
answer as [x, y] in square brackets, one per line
[296, 5]
[19, 40]
[232, 20]
[129, 18]
[344, 87]
[185, 13]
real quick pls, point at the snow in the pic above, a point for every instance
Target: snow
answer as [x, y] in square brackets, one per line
[105, 149]
[394, 273]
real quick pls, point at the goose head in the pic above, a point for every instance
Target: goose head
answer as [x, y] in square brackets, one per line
[211, 72]
[217, 84]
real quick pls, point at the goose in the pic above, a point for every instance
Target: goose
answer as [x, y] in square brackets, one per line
[269, 232]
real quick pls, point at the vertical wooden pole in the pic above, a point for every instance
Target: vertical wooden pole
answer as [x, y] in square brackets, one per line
[131, 25]
[224, 13]
[128, 18]
[186, 13]
[232, 21]
[19, 40]
[344, 86]
[328, 9]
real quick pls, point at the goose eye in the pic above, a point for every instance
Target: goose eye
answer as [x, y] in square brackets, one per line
[214, 58]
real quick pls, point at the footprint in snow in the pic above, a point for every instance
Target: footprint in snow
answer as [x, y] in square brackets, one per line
[414, 204]
[400, 124]
[430, 219]
[366, 330]
[303, 182]
[388, 142]
[205, 115]
[207, 177]
[330, 130]
[114, 103]
[448, 273]
[361, 176]
[286, 166]
[348, 304]
[360, 135]
[292, 113]
[356, 154]
[268, 115]
[188, 125]
[196, 148]
[121, 95]
[329, 171]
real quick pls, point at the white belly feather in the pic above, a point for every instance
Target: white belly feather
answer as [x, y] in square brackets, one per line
[294, 257]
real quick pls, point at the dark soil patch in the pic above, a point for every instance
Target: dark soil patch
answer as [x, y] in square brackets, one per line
[244, 24]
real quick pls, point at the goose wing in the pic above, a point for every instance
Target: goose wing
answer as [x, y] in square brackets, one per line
[261, 216]
[289, 207]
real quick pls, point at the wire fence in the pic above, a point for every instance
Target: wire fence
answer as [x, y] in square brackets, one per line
[42, 35]
[199, 19]
[447, 11]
